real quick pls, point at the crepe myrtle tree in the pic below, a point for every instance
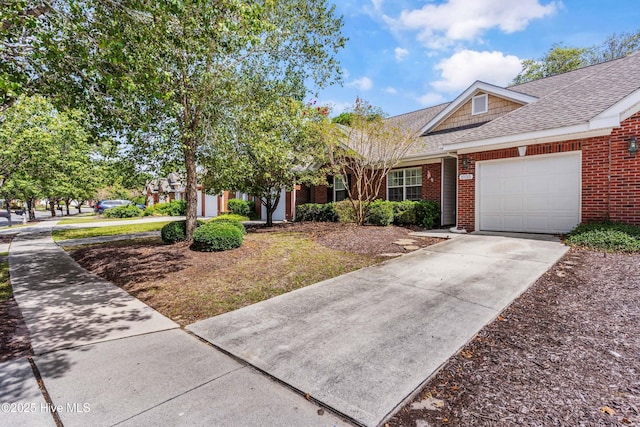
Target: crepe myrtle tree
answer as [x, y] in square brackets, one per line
[169, 76]
[366, 151]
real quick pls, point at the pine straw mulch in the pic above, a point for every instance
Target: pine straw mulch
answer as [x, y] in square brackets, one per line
[566, 353]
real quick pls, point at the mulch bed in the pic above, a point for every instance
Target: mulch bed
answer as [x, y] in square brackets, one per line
[566, 353]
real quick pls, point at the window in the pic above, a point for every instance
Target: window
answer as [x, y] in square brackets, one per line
[479, 104]
[339, 190]
[404, 184]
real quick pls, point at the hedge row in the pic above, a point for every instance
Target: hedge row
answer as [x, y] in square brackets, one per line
[423, 213]
[173, 208]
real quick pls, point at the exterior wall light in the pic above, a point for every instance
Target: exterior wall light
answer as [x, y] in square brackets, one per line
[633, 145]
[465, 162]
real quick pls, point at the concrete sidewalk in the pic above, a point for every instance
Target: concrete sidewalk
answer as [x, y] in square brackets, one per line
[363, 342]
[105, 358]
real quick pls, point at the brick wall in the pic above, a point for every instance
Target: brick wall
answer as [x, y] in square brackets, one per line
[617, 199]
[432, 182]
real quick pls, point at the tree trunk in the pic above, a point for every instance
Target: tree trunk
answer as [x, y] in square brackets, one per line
[271, 206]
[79, 207]
[52, 207]
[32, 214]
[67, 202]
[191, 189]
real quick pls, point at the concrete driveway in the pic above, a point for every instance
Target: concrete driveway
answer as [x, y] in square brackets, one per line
[362, 343]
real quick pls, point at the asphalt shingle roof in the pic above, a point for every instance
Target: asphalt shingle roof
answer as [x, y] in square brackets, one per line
[563, 100]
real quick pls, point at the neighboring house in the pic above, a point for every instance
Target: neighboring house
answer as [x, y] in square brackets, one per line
[538, 157]
[164, 190]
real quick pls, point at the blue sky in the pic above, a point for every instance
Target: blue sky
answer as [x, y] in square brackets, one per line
[403, 55]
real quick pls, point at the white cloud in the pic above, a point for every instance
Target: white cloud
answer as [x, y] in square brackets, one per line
[377, 4]
[440, 25]
[465, 67]
[431, 98]
[401, 53]
[391, 90]
[338, 107]
[363, 83]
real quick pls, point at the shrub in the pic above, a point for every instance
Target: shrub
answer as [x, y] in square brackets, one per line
[317, 212]
[231, 219]
[216, 236]
[234, 217]
[176, 231]
[173, 208]
[427, 213]
[607, 236]
[404, 213]
[239, 207]
[380, 213]
[125, 211]
[345, 211]
[139, 200]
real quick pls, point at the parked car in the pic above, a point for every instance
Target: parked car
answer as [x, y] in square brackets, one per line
[103, 205]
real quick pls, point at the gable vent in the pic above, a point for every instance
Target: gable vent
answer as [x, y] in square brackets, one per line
[479, 104]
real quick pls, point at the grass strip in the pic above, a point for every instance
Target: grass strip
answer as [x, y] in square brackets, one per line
[80, 233]
[5, 287]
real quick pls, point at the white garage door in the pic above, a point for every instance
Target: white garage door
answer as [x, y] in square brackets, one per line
[538, 194]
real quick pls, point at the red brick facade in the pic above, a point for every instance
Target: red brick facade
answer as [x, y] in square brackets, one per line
[432, 182]
[610, 175]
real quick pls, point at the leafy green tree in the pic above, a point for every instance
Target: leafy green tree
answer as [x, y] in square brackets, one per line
[557, 60]
[560, 59]
[45, 152]
[276, 144]
[366, 151]
[168, 75]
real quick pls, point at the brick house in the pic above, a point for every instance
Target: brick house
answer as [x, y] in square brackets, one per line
[541, 156]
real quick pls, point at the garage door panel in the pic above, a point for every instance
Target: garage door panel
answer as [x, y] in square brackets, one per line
[530, 194]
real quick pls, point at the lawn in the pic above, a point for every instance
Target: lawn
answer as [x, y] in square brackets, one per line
[79, 233]
[92, 218]
[188, 286]
[5, 287]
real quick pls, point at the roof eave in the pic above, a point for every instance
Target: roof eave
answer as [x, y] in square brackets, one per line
[468, 93]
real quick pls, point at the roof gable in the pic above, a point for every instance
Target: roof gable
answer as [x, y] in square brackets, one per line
[467, 95]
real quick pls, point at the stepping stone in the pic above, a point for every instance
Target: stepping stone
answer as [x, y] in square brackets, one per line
[391, 254]
[404, 242]
[411, 248]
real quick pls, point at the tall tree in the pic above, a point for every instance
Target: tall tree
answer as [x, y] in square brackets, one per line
[168, 74]
[366, 151]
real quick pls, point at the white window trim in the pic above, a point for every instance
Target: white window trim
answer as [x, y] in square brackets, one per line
[404, 181]
[473, 104]
[337, 179]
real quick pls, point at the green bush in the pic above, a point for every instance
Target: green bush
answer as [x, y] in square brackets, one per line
[216, 236]
[173, 208]
[125, 211]
[404, 213]
[380, 213]
[427, 213]
[239, 207]
[234, 217]
[607, 236]
[231, 219]
[345, 211]
[176, 231]
[139, 200]
[317, 212]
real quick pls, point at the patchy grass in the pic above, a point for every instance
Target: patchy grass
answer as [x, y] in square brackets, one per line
[189, 286]
[79, 233]
[5, 287]
[4, 253]
[607, 236]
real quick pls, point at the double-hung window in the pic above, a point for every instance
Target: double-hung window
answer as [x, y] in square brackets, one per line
[339, 190]
[404, 184]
